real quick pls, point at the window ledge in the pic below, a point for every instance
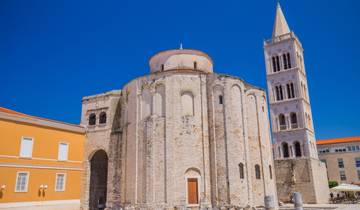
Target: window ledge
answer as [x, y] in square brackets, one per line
[26, 158]
[283, 70]
[286, 100]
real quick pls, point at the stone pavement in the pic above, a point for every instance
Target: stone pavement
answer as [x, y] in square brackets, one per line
[323, 207]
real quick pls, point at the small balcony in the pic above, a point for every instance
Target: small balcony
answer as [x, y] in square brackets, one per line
[283, 127]
[294, 125]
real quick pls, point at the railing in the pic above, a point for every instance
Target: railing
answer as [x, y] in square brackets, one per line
[282, 127]
[294, 125]
[280, 38]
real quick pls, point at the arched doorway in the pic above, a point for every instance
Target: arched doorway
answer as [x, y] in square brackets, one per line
[297, 149]
[98, 180]
[285, 149]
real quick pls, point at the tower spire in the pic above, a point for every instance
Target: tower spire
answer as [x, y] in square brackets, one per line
[280, 25]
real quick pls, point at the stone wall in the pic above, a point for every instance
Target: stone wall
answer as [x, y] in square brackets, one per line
[167, 127]
[305, 175]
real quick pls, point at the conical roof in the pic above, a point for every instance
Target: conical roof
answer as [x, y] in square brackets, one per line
[280, 25]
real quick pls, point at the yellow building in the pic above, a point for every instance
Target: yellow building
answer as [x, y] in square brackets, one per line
[40, 162]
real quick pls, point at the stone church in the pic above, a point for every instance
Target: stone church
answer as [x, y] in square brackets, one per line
[184, 137]
[180, 137]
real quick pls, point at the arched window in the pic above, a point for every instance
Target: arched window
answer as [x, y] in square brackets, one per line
[286, 61]
[285, 150]
[102, 118]
[270, 171]
[221, 99]
[195, 65]
[92, 119]
[282, 122]
[257, 171]
[279, 93]
[241, 170]
[159, 101]
[290, 90]
[273, 59]
[187, 102]
[297, 149]
[293, 119]
[276, 63]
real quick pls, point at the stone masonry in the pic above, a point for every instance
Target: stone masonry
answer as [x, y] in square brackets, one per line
[297, 165]
[181, 124]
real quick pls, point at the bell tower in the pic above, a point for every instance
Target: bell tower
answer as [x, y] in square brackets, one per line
[294, 144]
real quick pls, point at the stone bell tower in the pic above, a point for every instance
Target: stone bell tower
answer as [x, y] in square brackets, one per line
[297, 166]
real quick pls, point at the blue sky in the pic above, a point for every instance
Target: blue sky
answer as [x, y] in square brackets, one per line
[52, 53]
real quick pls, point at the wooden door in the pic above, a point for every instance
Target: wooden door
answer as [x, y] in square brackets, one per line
[193, 191]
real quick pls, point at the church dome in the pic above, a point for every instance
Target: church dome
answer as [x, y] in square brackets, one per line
[181, 59]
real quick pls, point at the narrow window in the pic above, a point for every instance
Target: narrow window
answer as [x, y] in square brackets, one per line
[162, 67]
[257, 171]
[220, 99]
[277, 63]
[22, 179]
[288, 90]
[357, 162]
[102, 118]
[297, 149]
[340, 163]
[60, 182]
[63, 151]
[281, 93]
[285, 149]
[282, 122]
[195, 65]
[342, 176]
[292, 90]
[26, 147]
[277, 93]
[293, 119]
[241, 170]
[92, 119]
[187, 102]
[288, 61]
[285, 61]
[270, 171]
[274, 64]
[358, 174]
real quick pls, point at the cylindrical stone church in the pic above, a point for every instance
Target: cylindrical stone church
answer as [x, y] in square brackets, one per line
[180, 137]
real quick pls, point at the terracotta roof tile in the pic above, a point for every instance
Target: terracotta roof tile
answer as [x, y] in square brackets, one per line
[338, 140]
[9, 111]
